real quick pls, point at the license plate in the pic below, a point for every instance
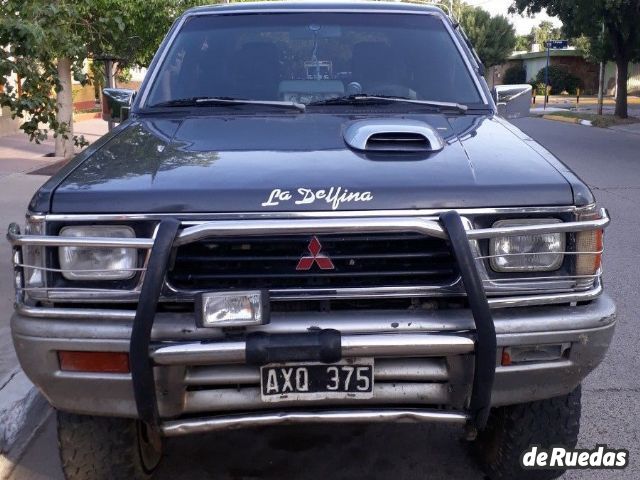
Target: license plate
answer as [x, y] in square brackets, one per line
[317, 381]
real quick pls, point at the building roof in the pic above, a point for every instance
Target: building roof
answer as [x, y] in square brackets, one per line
[543, 54]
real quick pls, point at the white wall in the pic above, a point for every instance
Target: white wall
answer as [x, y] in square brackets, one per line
[633, 84]
[533, 66]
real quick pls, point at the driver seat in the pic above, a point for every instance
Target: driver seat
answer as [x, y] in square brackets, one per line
[373, 64]
[255, 71]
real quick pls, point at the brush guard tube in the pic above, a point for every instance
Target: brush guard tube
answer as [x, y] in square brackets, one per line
[144, 387]
[485, 352]
[142, 364]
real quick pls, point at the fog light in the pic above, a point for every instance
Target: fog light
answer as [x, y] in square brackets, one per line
[233, 309]
[534, 353]
[97, 362]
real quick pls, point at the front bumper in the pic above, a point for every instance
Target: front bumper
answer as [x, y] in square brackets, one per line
[423, 364]
[442, 364]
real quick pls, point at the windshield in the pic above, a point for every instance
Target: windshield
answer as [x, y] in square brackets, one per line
[310, 57]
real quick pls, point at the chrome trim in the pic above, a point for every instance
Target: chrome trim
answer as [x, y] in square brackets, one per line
[128, 315]
[372, 345]
[548, 299]
[58, 241]
[564, 227]
[74, 313]
[450, 290]
[175, 428]
[92, 270]
[336, 225]
[199, 218]
[405, 345]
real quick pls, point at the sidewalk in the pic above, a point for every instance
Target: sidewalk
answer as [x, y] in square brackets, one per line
[587, 104]
[20, 404]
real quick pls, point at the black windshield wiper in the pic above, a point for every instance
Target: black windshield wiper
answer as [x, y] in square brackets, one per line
[201, 101]
[363, 98]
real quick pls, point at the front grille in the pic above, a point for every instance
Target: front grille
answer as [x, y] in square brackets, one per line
[359, 260]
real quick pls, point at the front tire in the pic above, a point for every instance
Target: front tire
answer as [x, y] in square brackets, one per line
[512, 430]
[105, 448]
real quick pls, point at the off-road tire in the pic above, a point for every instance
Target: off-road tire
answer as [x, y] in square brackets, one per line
[105, 448]
[512, 430]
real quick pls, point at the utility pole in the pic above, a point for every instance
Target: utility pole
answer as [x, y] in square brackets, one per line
[601, 79]
[546, 76]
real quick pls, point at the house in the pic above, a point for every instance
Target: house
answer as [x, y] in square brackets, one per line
[573, 60]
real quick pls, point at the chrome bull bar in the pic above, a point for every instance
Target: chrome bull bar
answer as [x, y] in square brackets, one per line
[449, 227]
[381, 415]
[191, 233]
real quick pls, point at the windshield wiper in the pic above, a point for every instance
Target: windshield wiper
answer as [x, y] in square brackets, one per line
[197, 101]
[365, 98]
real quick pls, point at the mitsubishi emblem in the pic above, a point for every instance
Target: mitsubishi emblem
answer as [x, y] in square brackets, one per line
[307, 261]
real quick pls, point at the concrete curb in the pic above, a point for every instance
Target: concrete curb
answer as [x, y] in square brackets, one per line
[22, 411]
[560, 118]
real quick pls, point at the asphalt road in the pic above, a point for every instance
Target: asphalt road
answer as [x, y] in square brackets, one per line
[610, 163]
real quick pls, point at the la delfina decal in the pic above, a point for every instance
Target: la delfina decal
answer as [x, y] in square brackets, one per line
[334, 196]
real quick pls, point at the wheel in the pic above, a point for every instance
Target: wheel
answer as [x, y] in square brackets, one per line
[104, 448]
[512, 430]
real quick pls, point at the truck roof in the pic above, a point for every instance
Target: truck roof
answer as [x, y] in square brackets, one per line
[317, 5]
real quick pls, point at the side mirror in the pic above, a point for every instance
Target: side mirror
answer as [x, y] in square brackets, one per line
[116, 104]
[513, 101]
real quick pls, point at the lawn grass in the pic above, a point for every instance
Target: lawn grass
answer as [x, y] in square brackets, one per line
[602, 121]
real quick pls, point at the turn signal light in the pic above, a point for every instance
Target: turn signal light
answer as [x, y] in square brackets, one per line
[590, 244]
[96, 362]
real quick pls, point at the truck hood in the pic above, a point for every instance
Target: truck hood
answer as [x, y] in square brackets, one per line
[293, 162]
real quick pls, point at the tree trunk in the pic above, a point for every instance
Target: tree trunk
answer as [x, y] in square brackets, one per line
[621, 87]
[64, 146]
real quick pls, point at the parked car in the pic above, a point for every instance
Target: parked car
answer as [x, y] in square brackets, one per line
[256, 245]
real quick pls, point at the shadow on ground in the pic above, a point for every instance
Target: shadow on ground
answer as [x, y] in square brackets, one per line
[318, 452]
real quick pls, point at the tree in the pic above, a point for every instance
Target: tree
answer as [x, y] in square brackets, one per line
[494, 38]
[516, 74]
[544, 32]
[46, 43]
[621, 40]
[523, 44]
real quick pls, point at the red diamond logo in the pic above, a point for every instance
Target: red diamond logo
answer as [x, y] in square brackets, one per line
[307, 261]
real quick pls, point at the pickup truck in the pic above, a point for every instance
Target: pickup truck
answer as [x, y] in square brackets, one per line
[311, 212]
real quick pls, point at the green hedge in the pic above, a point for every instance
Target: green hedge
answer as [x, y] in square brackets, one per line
[515, 75]
[560, 80]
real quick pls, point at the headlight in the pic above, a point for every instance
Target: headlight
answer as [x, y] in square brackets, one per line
[98, 263]
[527, 253]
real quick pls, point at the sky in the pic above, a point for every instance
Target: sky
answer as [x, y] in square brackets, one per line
[522, 24]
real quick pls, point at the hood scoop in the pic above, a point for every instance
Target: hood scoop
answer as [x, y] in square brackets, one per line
[393, 135]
